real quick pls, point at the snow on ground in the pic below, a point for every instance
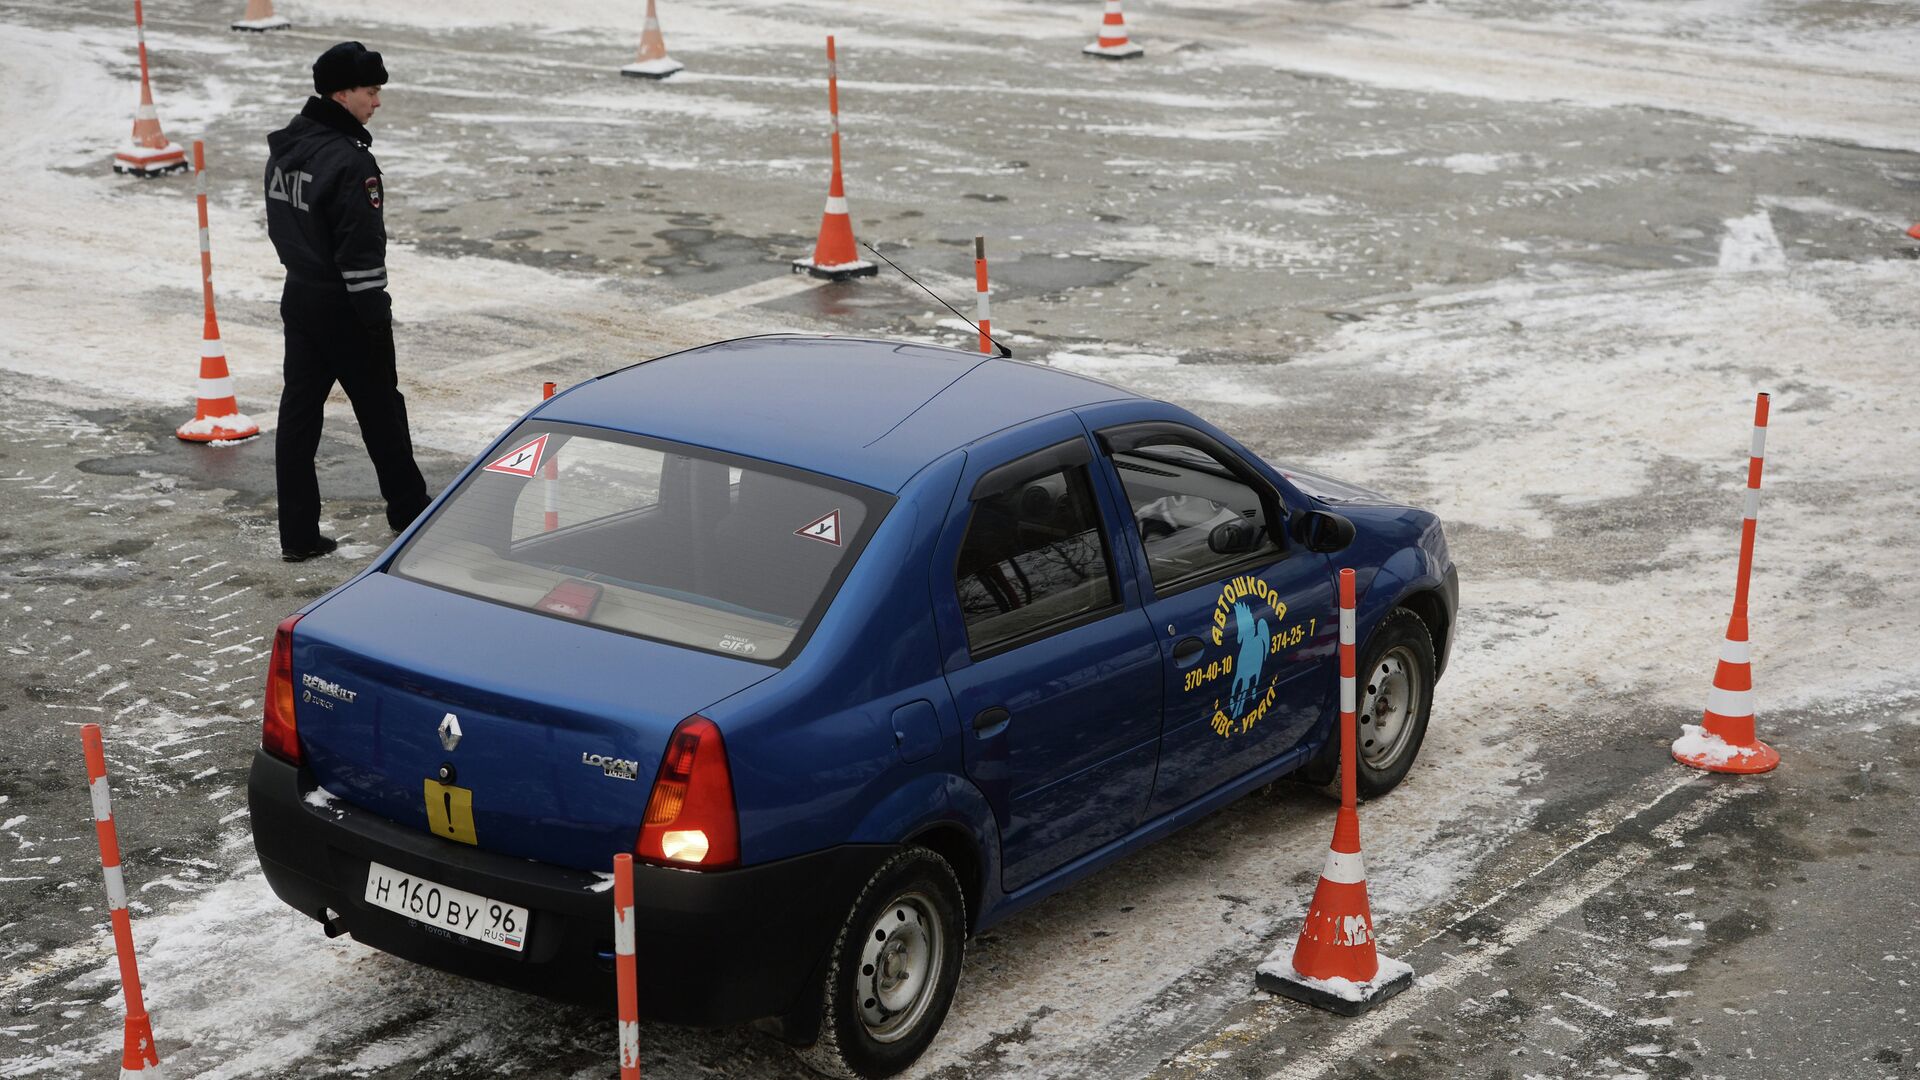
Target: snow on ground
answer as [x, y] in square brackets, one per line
[1546, 406]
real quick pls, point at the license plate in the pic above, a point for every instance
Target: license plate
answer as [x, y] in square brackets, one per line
[455, 910]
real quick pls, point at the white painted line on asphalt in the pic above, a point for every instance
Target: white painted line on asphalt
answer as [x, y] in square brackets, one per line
[774, 288]
[1459, 967]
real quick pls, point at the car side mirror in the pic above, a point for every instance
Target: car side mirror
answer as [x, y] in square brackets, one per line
[1322, 530]
[1235, 537]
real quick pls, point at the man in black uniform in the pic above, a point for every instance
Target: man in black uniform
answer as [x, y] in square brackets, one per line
[323, 215]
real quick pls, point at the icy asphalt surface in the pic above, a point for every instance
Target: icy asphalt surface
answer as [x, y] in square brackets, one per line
[1523, 263]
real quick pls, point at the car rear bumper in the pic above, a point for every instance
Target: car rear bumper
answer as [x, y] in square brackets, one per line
[714, 948]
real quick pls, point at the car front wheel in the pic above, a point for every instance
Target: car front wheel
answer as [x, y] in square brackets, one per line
[893, 969]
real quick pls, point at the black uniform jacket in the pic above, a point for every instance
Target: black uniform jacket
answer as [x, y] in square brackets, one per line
[323, 211]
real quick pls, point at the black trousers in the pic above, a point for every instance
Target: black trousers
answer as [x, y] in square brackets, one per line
[326, 344]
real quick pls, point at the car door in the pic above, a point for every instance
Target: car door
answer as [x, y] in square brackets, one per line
[1051, 661]
[1245, 617]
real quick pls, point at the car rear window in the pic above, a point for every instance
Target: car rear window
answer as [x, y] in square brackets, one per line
[663, 541]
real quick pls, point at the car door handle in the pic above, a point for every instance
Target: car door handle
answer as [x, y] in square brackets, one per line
[1186, 651]
[991, 721]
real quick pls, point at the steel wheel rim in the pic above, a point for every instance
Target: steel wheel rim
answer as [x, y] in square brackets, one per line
[900, 965]
[1389, 701]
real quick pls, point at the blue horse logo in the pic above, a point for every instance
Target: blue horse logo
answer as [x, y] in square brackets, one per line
[1256, 640]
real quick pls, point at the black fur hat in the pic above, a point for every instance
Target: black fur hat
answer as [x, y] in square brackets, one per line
[345, 66]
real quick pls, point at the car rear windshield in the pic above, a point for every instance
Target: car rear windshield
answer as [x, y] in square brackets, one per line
[663, 541]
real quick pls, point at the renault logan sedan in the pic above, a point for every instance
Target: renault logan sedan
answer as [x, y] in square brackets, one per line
[857, 646]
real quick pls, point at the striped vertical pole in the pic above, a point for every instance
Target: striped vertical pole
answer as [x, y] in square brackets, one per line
[137, 1053]
[835, 189]
[206, 242]
[1726, 740]
[550, 479]
[625, 967]
[1349, 711]
[983, 308]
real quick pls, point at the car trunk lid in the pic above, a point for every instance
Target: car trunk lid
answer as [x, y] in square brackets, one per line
[560, 726]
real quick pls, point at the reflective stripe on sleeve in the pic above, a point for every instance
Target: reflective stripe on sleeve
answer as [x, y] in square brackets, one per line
[365, 285]
[352, 275]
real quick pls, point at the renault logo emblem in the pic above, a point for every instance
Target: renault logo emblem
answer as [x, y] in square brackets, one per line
[449, 731]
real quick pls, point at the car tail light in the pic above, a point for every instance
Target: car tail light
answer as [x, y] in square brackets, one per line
[278, 733]
[690, 817]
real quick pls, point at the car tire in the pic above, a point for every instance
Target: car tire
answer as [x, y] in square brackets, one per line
[1394, 697]
[892, 972]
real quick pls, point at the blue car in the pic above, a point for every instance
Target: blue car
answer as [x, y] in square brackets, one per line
[857, 646]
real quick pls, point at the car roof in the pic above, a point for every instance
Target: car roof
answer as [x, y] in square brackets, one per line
[871, 411]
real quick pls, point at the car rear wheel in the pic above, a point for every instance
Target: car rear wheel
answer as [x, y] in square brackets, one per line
[1395, 675]
[893, 969]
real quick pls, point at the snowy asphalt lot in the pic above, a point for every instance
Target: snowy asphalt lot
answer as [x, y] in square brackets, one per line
[1523, 263]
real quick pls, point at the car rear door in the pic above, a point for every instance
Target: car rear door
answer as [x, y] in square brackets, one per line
[1051, 661]
[1246, 617]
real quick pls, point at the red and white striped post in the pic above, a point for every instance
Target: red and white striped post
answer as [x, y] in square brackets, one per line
[137, 1054]
[550, 479]
[982, 308]
[1725, 740]
[625, 969]
[149, 154]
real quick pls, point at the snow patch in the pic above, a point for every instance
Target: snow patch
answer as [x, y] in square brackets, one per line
[1751, 244]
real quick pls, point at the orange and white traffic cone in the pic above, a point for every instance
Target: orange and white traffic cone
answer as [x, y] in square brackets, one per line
[150, 153]
[138, 1055]
[1914, 232]
[260, 18]
[1112, 44]
[1724, 740]
[1334, 965]
[835, 255]
[216, 414]
[653, 61]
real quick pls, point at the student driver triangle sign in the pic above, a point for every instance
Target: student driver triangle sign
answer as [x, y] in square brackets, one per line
[826, 529]
[522, 461]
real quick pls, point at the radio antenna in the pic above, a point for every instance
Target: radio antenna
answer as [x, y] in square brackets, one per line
[1005, 352]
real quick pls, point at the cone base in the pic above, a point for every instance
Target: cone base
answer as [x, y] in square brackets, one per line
[211, 429]
[1701, 749]
[1276, 976]
[836, 271]
[653, 69]
[271, 22]
[1115, 52]
[148, 161]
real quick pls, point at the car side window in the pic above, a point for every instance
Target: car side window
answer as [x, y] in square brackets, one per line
[1034, 557]
[1194, 515]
